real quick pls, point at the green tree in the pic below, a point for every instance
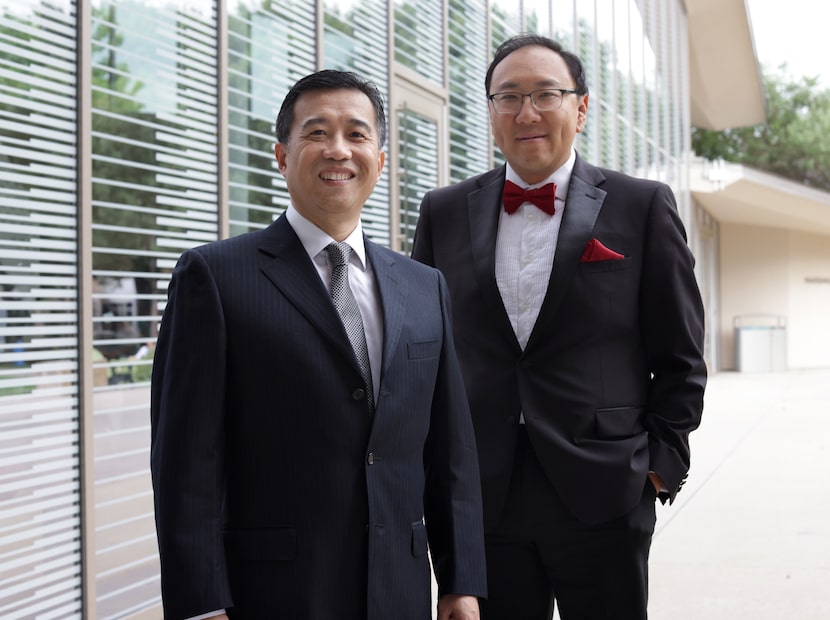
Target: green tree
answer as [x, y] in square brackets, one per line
[792, 143]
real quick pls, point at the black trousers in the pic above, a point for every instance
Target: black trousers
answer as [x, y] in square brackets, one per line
[539, 553]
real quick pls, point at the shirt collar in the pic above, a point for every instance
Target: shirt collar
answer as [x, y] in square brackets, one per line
[561, 176]
[315, 240]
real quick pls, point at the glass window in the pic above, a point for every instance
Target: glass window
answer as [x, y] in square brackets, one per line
[419, 37]
[605, 93]
[469, 123]
[505, 22]
[563, 23]
[154, 194]
[269, 48]
[650, 114]
[537, 17]
[624, 86]
[588, 50]
[642, 65]
[417, 148]
[355, 38]
[40, 495]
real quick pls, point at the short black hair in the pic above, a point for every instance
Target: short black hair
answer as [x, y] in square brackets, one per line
[329, 79]
[523, 40]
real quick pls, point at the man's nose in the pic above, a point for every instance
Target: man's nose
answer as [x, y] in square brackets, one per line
[337, 147]
[528, 112]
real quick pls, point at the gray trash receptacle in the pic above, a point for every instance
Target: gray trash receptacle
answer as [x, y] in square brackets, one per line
[760, 343]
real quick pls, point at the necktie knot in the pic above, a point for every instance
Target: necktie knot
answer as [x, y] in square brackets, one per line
[543, 197]
[338, 252]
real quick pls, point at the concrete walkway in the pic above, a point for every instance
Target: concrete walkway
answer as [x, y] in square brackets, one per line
[749, 535]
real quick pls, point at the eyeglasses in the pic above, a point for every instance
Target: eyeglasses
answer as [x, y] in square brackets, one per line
[545, 99]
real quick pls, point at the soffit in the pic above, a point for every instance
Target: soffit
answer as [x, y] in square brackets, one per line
[740, 195]
[725, 81]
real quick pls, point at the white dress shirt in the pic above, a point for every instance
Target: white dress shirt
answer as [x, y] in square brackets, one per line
[211, 614]
[525, 247]
[362, 283]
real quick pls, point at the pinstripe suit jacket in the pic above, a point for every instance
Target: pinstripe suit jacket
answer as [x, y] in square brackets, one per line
[276, 494]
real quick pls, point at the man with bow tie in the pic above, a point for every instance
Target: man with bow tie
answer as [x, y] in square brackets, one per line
[579, 327]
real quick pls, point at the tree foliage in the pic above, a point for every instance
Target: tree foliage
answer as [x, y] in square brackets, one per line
[793, 142]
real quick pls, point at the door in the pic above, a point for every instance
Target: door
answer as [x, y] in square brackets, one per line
[418, 153]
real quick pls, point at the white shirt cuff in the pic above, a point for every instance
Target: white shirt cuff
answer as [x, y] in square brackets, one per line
[210, 614]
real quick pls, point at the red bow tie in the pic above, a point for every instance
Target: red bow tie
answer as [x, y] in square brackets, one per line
[543, 197]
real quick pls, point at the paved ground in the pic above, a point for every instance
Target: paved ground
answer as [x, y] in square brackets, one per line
[749, 536]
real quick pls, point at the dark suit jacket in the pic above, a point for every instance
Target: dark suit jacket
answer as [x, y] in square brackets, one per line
[276, 494]
[611, 381]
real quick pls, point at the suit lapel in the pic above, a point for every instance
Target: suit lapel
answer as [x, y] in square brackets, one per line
[483, 207]
[583, 204]
[393, 299]
[284, 261]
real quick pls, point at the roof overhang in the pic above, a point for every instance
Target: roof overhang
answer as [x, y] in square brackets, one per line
[736, 194]
[725, 80]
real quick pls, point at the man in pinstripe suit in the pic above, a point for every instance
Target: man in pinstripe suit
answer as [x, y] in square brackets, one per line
[287, 483]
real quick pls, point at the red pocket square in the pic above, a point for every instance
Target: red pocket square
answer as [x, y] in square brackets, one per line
[595, 251]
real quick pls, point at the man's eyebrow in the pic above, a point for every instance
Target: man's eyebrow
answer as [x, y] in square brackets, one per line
[319, 120]
[544, 83]
[367, 127]
[313, 121]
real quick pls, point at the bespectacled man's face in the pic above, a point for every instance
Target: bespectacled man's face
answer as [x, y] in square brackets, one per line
[333, 160]
[536, 143]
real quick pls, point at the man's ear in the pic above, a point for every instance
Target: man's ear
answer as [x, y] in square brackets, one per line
[280, 151]
[581, 113]
[381, 160]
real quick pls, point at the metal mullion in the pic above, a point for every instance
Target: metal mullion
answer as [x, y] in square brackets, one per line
[85, 311]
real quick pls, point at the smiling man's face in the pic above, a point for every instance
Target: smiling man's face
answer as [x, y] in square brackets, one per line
[333, 160]
[536, 143]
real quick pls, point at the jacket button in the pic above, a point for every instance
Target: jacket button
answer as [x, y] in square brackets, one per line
[359, 394]
[371, 458]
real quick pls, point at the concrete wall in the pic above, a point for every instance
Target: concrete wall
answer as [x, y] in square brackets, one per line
[767, 273]
[809, 277]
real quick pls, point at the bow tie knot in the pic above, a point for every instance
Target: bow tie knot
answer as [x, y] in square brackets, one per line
[543, 197]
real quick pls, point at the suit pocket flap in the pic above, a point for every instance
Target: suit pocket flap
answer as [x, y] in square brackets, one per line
[618, 422]
[423, 350]
[419, 539]
[261, 544]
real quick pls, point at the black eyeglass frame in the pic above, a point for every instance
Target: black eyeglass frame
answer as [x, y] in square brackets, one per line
[561, 91]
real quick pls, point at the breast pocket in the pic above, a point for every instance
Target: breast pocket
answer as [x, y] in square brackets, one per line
[423, 350]
[419, 545]
[602, 266]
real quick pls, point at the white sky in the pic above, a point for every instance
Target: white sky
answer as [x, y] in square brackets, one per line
[795, 32]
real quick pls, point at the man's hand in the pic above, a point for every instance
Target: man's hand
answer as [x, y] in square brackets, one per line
[458, 607]
[657, 481]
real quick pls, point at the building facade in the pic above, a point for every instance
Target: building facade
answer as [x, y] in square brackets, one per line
[131, 130]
